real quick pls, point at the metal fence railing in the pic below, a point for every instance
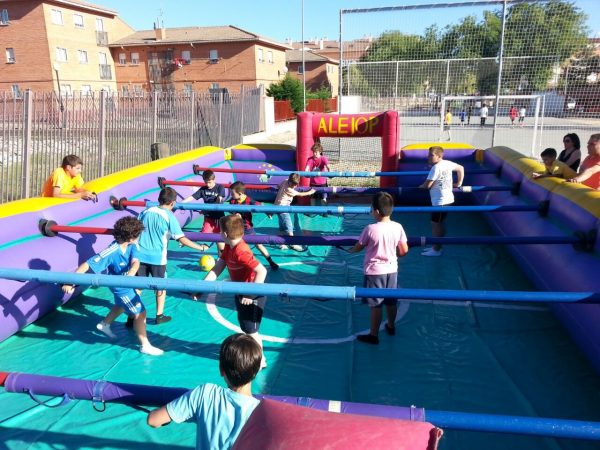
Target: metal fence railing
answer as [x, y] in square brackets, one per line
[111, 132]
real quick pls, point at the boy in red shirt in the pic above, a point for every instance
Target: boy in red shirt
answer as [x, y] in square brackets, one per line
[239, 197]
[243, 267]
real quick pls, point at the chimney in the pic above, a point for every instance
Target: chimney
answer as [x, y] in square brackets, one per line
[160, 32]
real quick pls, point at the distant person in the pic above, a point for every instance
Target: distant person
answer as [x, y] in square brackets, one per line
[522, 114]
[512, 114]
[553, 168]
[483, 113]
[439, 183]
[239, 197]
[219, 413]
[463, 116]
[589, 172]
[243, 267]
[285, 194]
[120, 258]
[384, 241]
[469, 114]
[160, 226]
[211, 193]
[66, 181]
[571, 155]
[448, 123]
[318, 162]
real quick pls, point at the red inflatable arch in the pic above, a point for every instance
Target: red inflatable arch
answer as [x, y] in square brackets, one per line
[385, 124]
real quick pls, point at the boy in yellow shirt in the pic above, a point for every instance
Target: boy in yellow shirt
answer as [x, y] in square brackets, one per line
[553, 168]
[66, 181]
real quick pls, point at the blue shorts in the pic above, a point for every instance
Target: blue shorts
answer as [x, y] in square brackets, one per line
[285, 223]
[383, 281]
[131, 303]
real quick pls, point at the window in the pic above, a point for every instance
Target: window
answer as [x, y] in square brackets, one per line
[66, 90]
[260, 55]
[300, 68]
[186, 55]
[102, 58]
[214, 86]
[135, 58]
[86, 90]
[78, 20]
[16, 91]
[4, 17]
[122, 58]
[213, 55]
[99, 25]
[61, 54]
[57, 17]
[10, 56]
[187, 90]
[83, 58]
[125, 91]
[137, 90]
[270, 57]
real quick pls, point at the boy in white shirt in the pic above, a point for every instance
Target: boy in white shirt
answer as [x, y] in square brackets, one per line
[439, 182]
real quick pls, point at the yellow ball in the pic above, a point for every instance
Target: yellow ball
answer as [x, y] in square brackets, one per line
[206, 263]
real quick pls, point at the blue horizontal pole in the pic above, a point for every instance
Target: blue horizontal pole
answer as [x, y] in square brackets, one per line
[393, 191]
[413, 241]
[293, 290]
[342, 210]
[537, 426]
[481, 296]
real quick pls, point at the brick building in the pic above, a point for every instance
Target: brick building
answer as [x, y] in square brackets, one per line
[353, 50]
[57, 40]
[196, 58]
[320, 70]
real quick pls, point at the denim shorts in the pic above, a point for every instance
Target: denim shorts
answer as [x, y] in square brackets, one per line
[285, 223]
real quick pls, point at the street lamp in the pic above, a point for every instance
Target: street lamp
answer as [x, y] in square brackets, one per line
[56, 69]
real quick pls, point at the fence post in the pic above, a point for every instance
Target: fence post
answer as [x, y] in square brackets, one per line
[242, 118]
[154, 115]
[102, 133]
[447, 77]
[27, 122]
[221, 99]
[192, 119]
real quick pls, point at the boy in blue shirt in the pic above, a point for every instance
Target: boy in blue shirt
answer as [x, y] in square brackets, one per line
[160, 224]
[219, 413]
[120, 258]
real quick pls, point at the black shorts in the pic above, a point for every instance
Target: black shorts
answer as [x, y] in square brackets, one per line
[153, 270]
[250, 316]
[319, 195]
[384, 281]
[439, 217]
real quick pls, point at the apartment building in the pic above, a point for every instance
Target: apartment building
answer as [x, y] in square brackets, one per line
[58, 45]
[320, 70]
[196, 59]
[353, 50]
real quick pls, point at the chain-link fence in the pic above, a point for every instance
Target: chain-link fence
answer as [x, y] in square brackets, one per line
[112, 132]
[493, 54]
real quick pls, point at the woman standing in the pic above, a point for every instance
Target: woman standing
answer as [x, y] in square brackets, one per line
[571, 155]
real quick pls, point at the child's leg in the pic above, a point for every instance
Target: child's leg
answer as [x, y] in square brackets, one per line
[104, 326]
[263, 250]
[375, 320]
[139, 325]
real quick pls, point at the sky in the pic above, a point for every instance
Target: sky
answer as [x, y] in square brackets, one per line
[282, 19]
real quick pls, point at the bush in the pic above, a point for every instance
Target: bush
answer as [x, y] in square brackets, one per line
[288, 89]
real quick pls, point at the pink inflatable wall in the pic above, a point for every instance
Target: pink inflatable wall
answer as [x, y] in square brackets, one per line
[311, 126]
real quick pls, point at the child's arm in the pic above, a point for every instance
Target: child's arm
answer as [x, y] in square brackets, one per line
[402, 249]
[158, 417]
[135, 265]
[216, 271]
[426, 184]
[460, 170]
[259, 277]
[70, 288]
[357, 248]
[304, 194]
[191, 244]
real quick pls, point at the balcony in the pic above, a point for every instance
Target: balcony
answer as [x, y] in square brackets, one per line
[102, 38]
[105, 72]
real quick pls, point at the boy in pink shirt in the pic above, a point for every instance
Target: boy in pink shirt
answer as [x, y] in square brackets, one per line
[318, 162]
[384, 241]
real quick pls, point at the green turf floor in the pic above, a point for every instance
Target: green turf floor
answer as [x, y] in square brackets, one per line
[487, 358]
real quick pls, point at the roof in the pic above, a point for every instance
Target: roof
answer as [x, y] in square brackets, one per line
[186, 35]
[85, 5]
[309, 56]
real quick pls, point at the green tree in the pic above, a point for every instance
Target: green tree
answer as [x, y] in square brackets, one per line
[289, 88]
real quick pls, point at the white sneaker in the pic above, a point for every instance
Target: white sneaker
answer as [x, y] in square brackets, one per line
[298, 248]
[106, 330]
[426, 249]
[432, 252]
[283, 247]
[151, 350]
